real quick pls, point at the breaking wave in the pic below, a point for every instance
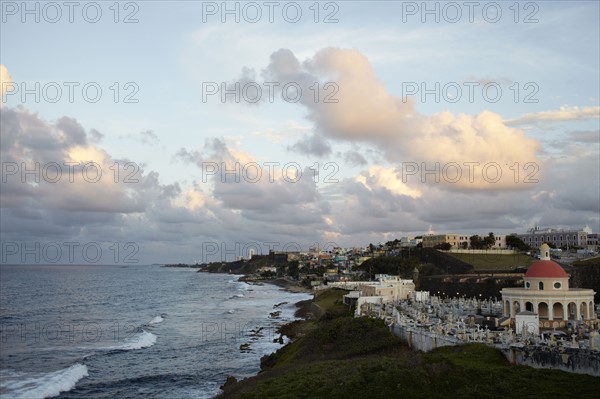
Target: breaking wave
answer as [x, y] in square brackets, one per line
[24, 385]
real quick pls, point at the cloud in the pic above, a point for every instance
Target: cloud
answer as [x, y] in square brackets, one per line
[564, 113]
[312, 145]
[5, 81]
[585, 136]
[242, 182]
[288, 130]
[388, 179]
[354, 158]
[149, 137]
[364, 111]
[69, 172]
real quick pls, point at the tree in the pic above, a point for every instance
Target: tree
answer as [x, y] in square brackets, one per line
[516, 243]
[445, 246]
[476, 242]
[489, 241]
[293, 269]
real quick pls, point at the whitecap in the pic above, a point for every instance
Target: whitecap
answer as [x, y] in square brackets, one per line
[27, 385]
[156, 320]
[144, 340]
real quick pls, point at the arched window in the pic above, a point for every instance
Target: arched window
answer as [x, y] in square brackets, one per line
[541, 285]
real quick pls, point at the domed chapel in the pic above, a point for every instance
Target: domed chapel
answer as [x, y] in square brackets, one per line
[546, 292]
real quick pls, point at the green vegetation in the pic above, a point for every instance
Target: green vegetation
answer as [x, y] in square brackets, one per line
[470, 371]
[482, 243]
[445, 246]
[591, 262]
[515, 242]
[586, 274]
[393, 265]
[331, 303]
[345, 357]
[495, 262]
[242, 267]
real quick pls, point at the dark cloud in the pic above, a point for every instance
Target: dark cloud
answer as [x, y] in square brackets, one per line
[585, 136]
[312, 145]
[354, 158]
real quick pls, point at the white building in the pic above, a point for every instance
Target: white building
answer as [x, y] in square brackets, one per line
[388, 290]
[500, 242]
[460, 240]
[560, 238]
[456, 240]
[391, 288]
[527, 321]
[410, 242]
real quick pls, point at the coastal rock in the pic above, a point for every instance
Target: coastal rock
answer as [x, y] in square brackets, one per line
[267, 361]
[278, 340]
[231, 381]
[245, 347]
[256, 332]
[275, 315]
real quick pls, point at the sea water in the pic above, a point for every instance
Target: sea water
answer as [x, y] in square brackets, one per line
[94, 331]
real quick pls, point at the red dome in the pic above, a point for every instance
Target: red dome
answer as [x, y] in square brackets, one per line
[545, 269]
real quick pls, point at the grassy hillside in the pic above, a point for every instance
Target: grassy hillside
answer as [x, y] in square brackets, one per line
[495, 262]
[344, 357]
[586, 274]
[470, 371]
[591, 262]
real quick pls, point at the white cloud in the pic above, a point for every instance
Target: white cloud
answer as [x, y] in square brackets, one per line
[365, 111]
[5, 82]
[564, 113]
[386, 178]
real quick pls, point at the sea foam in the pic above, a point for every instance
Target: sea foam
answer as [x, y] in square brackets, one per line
[156, 320]
[144, 340]
[22, 385]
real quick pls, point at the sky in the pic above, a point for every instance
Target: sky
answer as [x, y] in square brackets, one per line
[183, 131]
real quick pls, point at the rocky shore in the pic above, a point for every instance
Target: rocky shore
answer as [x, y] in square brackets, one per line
[335, 355]
[283, 282]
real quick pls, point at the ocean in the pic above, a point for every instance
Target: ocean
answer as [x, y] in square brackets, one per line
[94, 331]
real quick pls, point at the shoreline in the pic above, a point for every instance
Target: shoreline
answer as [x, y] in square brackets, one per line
[303, 312]
[282, 282]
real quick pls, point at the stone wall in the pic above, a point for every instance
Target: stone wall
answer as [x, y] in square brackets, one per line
[422, 340]
[491, 251]
[580, 361]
